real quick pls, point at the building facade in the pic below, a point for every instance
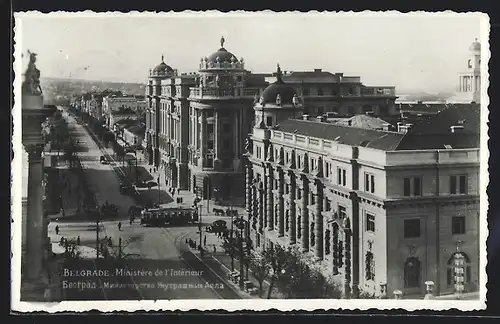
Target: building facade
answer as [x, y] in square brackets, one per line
[174, 128]
[151, 143]
[220, 118]
[324, 92]
[379, 211]
[469, 81]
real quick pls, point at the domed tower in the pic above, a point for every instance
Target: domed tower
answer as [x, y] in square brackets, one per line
[221, 104]
[278, 102]
[469, 86]
[153, 92]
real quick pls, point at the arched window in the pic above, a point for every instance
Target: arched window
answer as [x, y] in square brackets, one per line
[412, 273]
[312, 235]
[450, 271]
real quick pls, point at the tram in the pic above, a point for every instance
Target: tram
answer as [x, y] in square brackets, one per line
[169, 215]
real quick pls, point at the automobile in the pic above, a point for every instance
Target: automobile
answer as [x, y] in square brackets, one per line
[218, 226]
[141, 184]
[103, 160]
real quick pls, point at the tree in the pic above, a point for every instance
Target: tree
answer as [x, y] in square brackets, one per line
[300, 278]
[276, 257]
[260, 268]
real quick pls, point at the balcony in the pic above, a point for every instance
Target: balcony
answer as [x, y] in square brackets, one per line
[220, 93]
[378, 91]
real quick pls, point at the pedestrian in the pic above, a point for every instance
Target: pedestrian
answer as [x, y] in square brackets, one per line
[110, 243]
[119, 226]
[178, 190]
[78, 240]
[205, 241]
[131, 220]
[215, 249]
[57, 229]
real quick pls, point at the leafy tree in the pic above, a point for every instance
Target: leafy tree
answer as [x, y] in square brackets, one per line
[260, 268]
[276, 256]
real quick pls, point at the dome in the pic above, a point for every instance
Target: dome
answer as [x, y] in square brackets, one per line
[223, 54]
[476, 46]
[279, 87]
[162, 68]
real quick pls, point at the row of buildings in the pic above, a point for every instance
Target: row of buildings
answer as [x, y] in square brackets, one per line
[384, 198]
[383, 195]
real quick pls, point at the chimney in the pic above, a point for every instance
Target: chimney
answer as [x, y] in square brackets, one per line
[305, 117]
[317, 70]
[457, 128]
[321, 118]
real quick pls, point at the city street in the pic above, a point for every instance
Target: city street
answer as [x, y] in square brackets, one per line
[147, 248]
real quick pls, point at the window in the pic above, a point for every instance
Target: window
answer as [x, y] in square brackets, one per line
[411, 228]
[259, 152]
[328, 204]
[327, 169]
[320, 92]
[327, 242]
[412, 186]
[458, 225]
[299, 164]
[412, 273]
[369, 183]
[341, 177]
[458, 184]
[269, 121]
[342, 212]
[370, 222]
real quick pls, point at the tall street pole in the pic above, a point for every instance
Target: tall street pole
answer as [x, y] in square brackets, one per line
[158, 180]
[231, 239]
[199, 225]
[97, 239]
[241, 255]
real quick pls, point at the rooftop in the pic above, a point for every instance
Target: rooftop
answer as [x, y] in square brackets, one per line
[431, 133]
[362, 121]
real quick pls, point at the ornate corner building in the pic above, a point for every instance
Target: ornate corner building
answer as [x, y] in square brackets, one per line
[379, 211]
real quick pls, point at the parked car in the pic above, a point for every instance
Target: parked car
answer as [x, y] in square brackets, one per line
[218, 226]
[103, 160]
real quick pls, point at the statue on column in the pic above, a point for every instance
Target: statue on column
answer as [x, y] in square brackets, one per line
[31, 84]
[248, 145]
[217, 79]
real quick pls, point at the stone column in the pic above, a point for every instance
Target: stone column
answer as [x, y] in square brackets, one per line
[260, 207]
[293, 212]
[305, 216]
[216, 135]
[202, 137]
[248, 187]
[35, 232]
[281, 211]
[319, 222]
[270, 205]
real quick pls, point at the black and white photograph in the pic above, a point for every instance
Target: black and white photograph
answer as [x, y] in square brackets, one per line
[249, 161]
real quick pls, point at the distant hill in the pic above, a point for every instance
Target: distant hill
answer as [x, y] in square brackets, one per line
[68, 86]
[424, 96]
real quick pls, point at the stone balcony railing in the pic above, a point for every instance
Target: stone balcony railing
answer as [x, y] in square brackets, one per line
[204, 65]
[378, 91]
[228, 93]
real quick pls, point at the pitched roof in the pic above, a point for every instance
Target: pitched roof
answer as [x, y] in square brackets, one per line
[435, 132]
[353, 136]
[363, 121]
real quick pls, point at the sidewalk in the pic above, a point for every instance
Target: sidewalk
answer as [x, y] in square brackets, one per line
[220, 262]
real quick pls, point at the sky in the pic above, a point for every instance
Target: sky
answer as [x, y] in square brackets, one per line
[418, 52]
